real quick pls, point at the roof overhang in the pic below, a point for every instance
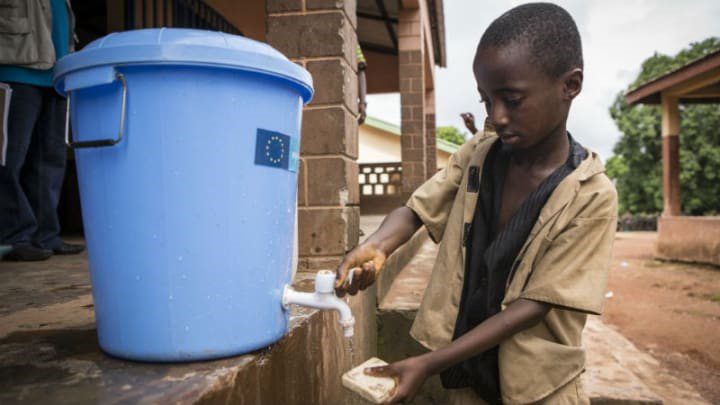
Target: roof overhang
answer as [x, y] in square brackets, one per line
[378, 21]
[696, 82]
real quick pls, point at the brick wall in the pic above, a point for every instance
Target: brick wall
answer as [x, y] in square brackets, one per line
[430, 134]
[320, 35]
[412, 99]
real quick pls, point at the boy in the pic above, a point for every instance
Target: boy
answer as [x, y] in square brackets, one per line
[525, 218]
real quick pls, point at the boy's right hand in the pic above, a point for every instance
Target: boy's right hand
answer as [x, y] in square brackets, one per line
[365, 263]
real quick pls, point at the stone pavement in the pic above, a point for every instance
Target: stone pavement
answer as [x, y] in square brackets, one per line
[617, 372]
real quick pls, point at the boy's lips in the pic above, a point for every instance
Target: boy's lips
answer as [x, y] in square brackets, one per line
[506, 137]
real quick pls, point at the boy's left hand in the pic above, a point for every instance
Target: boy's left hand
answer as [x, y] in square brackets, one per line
[409, 376]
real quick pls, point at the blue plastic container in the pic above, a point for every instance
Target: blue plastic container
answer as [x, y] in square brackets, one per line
[188, 188]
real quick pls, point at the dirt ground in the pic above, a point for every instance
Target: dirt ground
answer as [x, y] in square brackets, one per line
[670, 310]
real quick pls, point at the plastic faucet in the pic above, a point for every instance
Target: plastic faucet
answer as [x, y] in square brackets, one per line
[323, 298]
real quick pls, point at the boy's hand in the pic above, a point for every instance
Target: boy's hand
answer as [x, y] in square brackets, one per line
[409, 376]
[365, 263]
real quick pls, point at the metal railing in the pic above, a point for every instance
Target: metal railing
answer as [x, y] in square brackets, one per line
[175, 13]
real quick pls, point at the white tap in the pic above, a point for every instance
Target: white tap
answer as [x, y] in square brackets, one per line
[323, 298]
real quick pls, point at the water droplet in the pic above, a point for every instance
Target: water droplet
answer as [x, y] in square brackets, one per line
[170, 297]
[187, 328]
[154, 236]
[180, 258]
[137, 278]
[183, 276]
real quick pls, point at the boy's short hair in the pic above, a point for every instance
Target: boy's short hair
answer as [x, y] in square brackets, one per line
[547, 29]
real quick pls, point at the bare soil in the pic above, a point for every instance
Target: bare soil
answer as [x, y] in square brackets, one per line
[671, 310]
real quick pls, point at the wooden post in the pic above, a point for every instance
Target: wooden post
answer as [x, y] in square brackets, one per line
[671, 155]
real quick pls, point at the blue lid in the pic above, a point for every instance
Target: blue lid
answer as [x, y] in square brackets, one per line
[184, 47]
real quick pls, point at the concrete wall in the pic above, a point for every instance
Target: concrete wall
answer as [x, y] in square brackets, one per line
[689, 239]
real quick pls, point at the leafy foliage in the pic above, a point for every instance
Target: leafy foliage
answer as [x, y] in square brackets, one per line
[451, 134]
[660, 64]
[636, 166]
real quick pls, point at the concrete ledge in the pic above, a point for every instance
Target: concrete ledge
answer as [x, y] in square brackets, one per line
[399, 260]
[619, 373]
[395, 344]
[606, 380]
[49, 351]
[689, 239]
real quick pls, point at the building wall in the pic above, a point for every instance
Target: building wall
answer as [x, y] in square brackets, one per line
[247, 15]
[442, 159]
[378, 146]
[689, 239]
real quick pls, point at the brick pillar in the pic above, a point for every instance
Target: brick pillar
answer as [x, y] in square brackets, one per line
[412, 98]
[671, 156]
[320, 35]
[430, 133]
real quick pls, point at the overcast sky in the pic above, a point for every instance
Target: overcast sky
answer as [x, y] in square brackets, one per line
[617, 36]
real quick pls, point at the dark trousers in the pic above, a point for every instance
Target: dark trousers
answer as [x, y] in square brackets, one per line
[31, 179]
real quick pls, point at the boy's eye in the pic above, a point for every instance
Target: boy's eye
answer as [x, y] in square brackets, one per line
[513, 101]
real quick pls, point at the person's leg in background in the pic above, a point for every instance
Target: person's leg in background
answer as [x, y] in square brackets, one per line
[42, 176]
[17, 220]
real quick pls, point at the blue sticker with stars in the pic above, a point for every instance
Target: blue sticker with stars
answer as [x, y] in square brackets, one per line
[276, 150]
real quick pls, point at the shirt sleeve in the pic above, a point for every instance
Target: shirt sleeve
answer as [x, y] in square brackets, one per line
[573, 271]
[433, 200]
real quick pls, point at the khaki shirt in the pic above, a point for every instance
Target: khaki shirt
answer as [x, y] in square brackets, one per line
[564, 262]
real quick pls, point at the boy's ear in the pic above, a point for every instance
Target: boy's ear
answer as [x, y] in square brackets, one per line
[572, 83]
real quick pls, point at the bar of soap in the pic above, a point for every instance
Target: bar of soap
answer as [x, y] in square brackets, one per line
[374, 389]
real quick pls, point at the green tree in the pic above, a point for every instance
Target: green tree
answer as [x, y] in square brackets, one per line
[636, 166]
[451, 134]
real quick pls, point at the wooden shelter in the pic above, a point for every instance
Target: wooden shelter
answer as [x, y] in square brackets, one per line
[695, 239]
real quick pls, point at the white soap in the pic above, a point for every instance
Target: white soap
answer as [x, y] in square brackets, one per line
[374, 389]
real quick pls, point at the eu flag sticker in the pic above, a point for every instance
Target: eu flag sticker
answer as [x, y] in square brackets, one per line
[276, 150]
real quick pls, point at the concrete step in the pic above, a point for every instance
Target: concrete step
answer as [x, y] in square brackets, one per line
[620, 373]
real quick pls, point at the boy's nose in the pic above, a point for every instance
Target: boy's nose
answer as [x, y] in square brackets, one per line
[498, 117]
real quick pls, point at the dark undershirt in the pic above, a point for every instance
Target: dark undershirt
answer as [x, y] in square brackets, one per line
[490, 256]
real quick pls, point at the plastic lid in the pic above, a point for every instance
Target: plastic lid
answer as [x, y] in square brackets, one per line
[185, 47]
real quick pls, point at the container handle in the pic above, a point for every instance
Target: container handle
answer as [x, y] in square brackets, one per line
[99, 142]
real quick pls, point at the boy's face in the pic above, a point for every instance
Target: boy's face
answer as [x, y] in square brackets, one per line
[523, 102]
